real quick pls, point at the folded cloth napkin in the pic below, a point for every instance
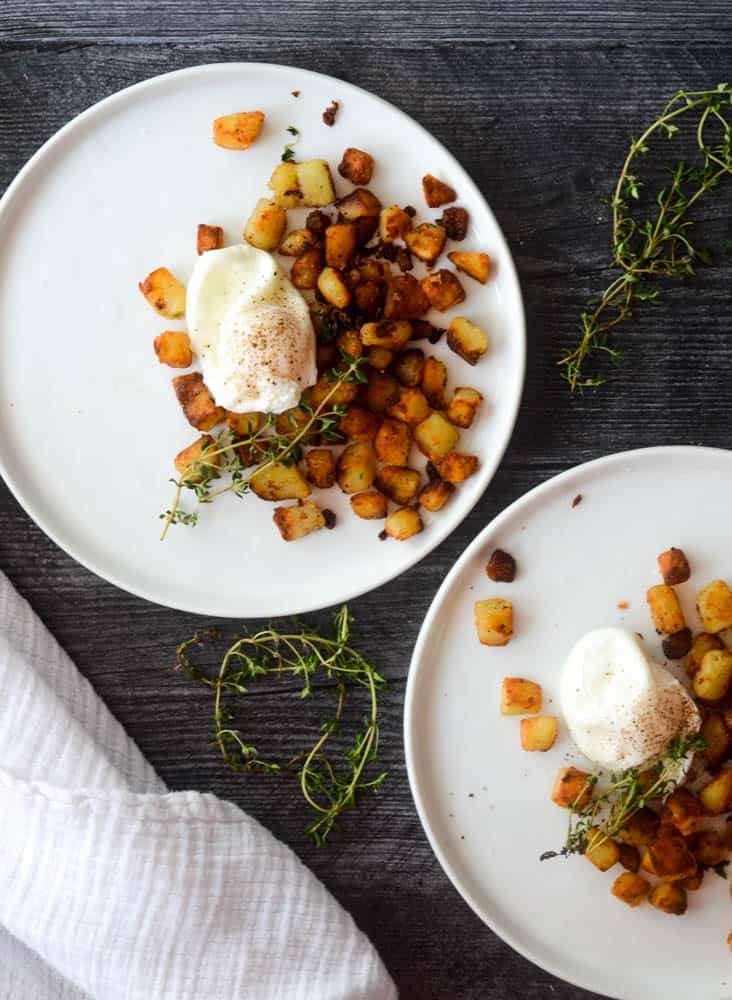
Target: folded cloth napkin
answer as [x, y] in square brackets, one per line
[112, 887]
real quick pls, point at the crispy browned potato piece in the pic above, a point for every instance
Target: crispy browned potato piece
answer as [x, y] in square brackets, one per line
[209, 238]
[314, 183]
[369, 298]
[435, 495]
[683, 810]
[714, 604]
[197, 402]
[165, 293]
[539, 733]
[501, 567]
[266, 225]
[340, 244]
[173, 348]
[371, 505]
[394, 224]
[356, 166]
[279, 482]
[443, 289]
[426, 241]
[290, 422]
[320, 467]
[630, 888]
[436, 437]
[306, 269]
[380, 358]
[716, 796]
[712, 680]
[398, 483]
[409, 367]
[677, 645]
[494, 622]
[674, 567]
[434, 380]
[668, 897]
[457, 467]
[629, 857]
[466, 339]
[333, 288]
[463, 406]
[356, 467]
[393, 442]
[379, 392]
[359, 424]
[338, 395]
[709, 848]
[362, 208]
[192, 462]
[702, 644]
[405, 298]
[455, 223]
[520, 696]
[284, 186]
[410, 406]
[297, 242]
[665, 609]
[390, 334]
[437, 192]
[603, 852]
[716, 736]
[475, 265]
[244, 424]
[349, 341]
[694, 881]
[641, 828]
[403, 524]
[239, 130]
[572, 788]
[299, 519]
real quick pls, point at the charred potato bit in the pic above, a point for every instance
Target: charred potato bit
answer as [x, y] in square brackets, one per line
[426, 241]
[630, 888]
[317, 222]
[466, 339]
[394, 224]
[410, 367]
[371, 505]
[379, 392]
[306, 269]
[683, 810]
[641, 828]
[340, 244]
[712, 680]
[572, 788]
[501, 567]
[677, 645]
[443, 289]
[209, 238]
[436, 192]
[244, 424]
[455, 223]
[701, 645]
[362, 208]
[298, 520]
[411, 406]
[475, 265]
[320, 467]
[422, 330]
[326, 356]
[494, 623]
[709, 849]
[191, 462]
[356, 166]
[297, 242]
[716, 796]
[629, 857]
[398, 483]
[315, 183]
[197, 402]
[329, 115]
[165, 293]
[435, 495]
[601, 851]
[238, 131]
[716, 736]
[333, 288]
[435, 437]
[380, 358]
[356, 467]
[405, 298]
[393, 442]
[390, 334]
[173, 348]
[403, 524]
[279, 482]
[714, 604]
[463, 406]
[284, 186]
[457, 467]
[539, 733]
[266, 225]
[359, 424]
[434, 380]
[368, 298]
[669, 898]
[666, 612]
[674, 567]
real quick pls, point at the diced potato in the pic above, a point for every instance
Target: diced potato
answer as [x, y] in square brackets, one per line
[356, 468]
[277, 481]
[244, 424]
[434, 380]
[371, 505]
[349, 341]
[340, 244]
[463, 406]
[457, 467]
[165, 293]
[436, 192]
[326, 357]
[683, 810]
[391, 334]
[668, 897]
[405, 298]
[356, 166]
[315, 183]
[266, 225]
[409, 367]
[362, 208]
[435, 495]
[209, 238]
[709, 848]
[712, 680]
[403, 524]
[197, 402]
[306, 269]
[466, 339]
[298, 520]
[674, 567]
[369, 298]
[670, 858]
[629, 857]
[359, 424]
[476, 265]
[501, 567]
[398, 483]
[677, 645]
[373, 269]
[603, 852]
[494, 622]
[693, 882]
[665, 609]
[443, 289]
[716, 795]
[333, 288]
[320, 467]
[641, 828]
[410, 406]
[394, 224]
[539, 733]
[379, 392]
[714, 604]
[173, 348]
[572, 788]
[238, 131]
[426, 241]
[630, 888]
[436, 437]
[393, 442]
[701, 645]
[380, 358]
[714, 732]
[284, 185]
[297, 242]
[519, 696]
[192, 462]
[291, 422]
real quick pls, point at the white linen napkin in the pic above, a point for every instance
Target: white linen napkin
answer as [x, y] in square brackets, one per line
[111, 887]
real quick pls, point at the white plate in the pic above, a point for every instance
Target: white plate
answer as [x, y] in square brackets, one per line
[88, 420]
[484, 802]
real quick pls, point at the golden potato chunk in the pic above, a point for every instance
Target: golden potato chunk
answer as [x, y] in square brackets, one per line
[315, 183]
[297, 242]
[192, 462]
[356, 468]
[277, 481]
[363, 209]
[443, 289]
[340, 244]
[238, 131]
[291, 422]
[702, 644]
[197, 402]
[320, 467]
[712, 680]
[379, 392]
[403, 524]
[669, 898]
[410, 406]
[398, 483]
[284, 185]
[494, 621]
[716, 736]
[467, 340]
[393, 442]
[640, 829]
[674, 567]
[173, 348]
[539, 733]
[463, 406]
[435, 495]
[349, 341]
[209, 238]
[266, 225]
[165, 293]
[457, 467]
[475, 265]
[519, 696]
[670, 858]
[426, 241]
[603, 852]
[436, 437]
[572, 788]
[306, 269]
[380, 358]
[434, 380]
[368, 299]
[298, 520]
[333, 288]
[359, 424]
[356, 166]
[436, 192]
[693, 882]
[683, 810]
[709, 848]
[394, 224]
[409, 367]
[665, 609]
[716, 795]
[390, 334]
[371, 505]
[630, 888]
[244, 424]
[714, 604]
[405, 298]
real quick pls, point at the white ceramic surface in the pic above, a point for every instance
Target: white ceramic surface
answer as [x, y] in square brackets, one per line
[88, 420]
[483, 801]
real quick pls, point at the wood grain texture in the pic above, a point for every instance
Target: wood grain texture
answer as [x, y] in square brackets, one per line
[537, 99]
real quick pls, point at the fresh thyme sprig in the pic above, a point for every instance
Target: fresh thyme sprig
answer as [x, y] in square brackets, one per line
[289, 152]
[328, 785]
[658, 245]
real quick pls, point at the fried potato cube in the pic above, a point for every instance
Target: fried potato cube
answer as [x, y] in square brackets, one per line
[436, 192]
[683, 810]
[476, 265]
[712, 680]
[390, 334]
[494, 622]
[379, 392]
[455, 222]
[279, 482]
[693, 882]
[435, 495]
[297, 242]
[436, 437]
[165, 293]
[192, 462]
[629, 857]
[393, 442]
[359, 424]
[519, 696]
[463, 406]
[380, 358]
[603, 852]
[266, 225]
[630, 888]
[677, 645]
[299, 519]
[670, 858]
[349, 341]
[197, 402]
[315, 183]
[640, 829]
[426, 241]
[244, 424]
[337, 395]
[290, 422]
[371, 505]
[363, 209]
[434, 380]
[333, 288]
[538, 733]
[714, 604]
[369, 298]
[394, 224]
[306, 269]
[409, 367]
[457, 467]
[410, 406]
[572, 787]
[501, 567]
[709, 848]
[668, 897]
[443, 289]
[403, 524]
[398, 483]
[716, 736]
[173, 348]
[373, 269]
[238, 131]
[356, 166]
[702, 644]
[674, 566]
[284, 185]
[466, 339]
[405, 298]
[716, 795]
[208, 238]
[340, 244]
[320, 468]
[356, 468]
[665, 609]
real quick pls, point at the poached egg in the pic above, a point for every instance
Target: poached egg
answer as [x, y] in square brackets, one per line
[251, 329]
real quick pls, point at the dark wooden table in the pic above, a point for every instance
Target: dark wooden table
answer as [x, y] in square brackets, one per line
[538, 100]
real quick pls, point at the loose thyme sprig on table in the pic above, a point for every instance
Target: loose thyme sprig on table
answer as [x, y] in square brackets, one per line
[657, 245]
[264, 445]
[329, 784]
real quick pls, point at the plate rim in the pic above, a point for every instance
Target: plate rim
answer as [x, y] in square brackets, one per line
[488, 468]
[410, 728]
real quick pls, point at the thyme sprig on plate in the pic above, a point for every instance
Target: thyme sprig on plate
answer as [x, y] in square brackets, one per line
[606, 814]
[330, 784]
[651, 229]
[264, 447]
[289, 150]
